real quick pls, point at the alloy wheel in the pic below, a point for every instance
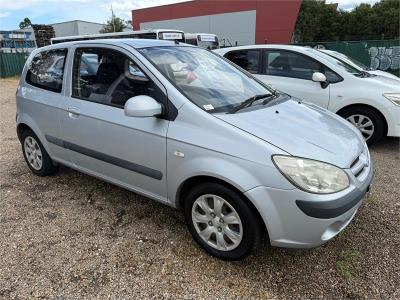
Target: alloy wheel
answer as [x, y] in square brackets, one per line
[364, 124]
[217, 222]
[33, 153]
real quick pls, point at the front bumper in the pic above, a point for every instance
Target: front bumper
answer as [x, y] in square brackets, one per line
[333, 208]
[392, 115]
[298, 219]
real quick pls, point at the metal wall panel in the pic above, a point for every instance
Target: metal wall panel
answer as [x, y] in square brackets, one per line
[231, 28]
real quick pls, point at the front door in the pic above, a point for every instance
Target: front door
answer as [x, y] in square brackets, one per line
[291, 73]
[100, 138]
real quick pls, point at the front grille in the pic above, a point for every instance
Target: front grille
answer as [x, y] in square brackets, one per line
[355, 162]
[360, 163]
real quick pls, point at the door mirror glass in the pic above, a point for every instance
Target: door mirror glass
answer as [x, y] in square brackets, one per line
[142, 106]
[318, 77]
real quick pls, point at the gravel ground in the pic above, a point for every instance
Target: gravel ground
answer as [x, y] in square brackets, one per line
[71, 236]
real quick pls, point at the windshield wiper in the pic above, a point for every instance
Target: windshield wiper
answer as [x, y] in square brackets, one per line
[250, 101]
[363, 74]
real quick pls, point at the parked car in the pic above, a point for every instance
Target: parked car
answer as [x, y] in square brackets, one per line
[369, 102]
[356, 64]
[182, 126]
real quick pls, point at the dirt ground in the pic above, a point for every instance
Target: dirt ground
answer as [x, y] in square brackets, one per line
[71, 236]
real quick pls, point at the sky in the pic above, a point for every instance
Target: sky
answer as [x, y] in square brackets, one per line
[54, 11]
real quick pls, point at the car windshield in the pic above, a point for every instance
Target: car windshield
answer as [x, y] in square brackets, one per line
[207, 45]
[339, 64]
[348, 59]
[204, 78]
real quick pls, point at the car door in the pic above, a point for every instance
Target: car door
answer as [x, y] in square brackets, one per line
[100, 138]
[45, 88]
[291, 73]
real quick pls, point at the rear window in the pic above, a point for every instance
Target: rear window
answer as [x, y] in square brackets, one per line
[46, 70]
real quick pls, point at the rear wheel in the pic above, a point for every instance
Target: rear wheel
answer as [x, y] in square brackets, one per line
[35, 155]
[368, 121]
[221, 221]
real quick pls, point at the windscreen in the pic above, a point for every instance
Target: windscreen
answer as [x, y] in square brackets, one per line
[205, 78]
[347, 59]
[339, 64]
[207, 41]
[171, 35]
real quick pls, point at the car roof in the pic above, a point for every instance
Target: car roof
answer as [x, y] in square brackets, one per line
[263, 46]
[135, 43]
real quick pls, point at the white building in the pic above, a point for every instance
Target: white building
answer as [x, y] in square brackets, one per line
[76, 27]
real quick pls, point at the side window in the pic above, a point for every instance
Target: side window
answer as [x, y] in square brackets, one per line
[46, 70]
[289, 64]
[246, 59]
[331, 76]
[109, 77]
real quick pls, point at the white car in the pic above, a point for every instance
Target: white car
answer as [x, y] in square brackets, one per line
[371, 103]
[356, 64]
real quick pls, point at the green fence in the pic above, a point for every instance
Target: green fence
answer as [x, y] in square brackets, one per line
[11, 64]
[376, 54]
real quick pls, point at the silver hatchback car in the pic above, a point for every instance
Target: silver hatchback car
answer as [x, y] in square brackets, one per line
[183, 126]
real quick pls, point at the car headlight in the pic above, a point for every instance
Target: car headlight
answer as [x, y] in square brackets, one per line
[311, 175]
[394, 97]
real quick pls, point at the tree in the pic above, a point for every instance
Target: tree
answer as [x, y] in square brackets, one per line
[25, 23]
[129, 24]
[387, 19]
[317, 21]
[115, 24]
[321, 22]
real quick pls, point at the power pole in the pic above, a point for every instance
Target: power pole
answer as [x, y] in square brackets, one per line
[112, 18]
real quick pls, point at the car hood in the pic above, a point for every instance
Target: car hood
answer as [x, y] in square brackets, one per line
[385, 74]
[383, 83]
[303, 130]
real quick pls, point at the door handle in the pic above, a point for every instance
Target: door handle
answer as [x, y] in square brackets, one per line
[73, 112]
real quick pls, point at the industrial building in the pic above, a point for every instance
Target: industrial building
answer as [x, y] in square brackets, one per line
[235, 22]
[76, 27]
[25, 40]
[20, 40]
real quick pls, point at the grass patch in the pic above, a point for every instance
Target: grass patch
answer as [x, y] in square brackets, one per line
[346, 266]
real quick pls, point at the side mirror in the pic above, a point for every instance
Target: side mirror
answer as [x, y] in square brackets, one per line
[321, 78]
[142, 106]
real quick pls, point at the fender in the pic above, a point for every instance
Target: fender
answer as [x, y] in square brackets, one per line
[228, 169]
[23, 118]
[361, 102]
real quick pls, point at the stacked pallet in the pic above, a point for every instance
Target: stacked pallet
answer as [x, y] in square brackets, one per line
[43, 34]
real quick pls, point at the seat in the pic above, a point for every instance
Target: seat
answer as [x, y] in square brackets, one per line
[107, 73]
[280, 66]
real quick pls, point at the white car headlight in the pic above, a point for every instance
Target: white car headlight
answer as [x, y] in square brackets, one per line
[394, 97]
[311, 175]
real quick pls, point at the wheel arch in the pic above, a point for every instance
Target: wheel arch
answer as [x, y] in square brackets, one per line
[26, 122]
[21, 127]
[189, 183]
[356, 105]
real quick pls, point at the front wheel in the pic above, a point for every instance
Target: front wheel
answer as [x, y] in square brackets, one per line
[221, 221]
[368, 121]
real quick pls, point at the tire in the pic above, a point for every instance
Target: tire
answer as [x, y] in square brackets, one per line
[35, 154]
[223, 238]
[365, 114]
